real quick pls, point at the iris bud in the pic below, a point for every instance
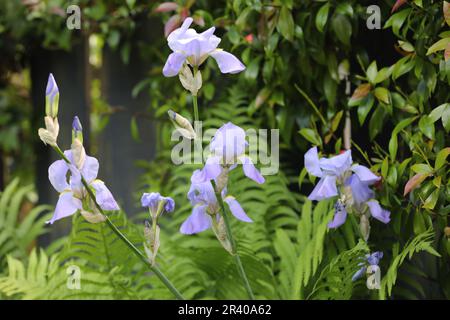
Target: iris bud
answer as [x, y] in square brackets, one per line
[51, 97]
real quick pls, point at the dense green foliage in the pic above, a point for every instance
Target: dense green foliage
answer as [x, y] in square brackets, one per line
[311, 66]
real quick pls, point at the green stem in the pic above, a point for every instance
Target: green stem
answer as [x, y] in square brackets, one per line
[234, 252]
[116, 230]
[195, 103]
[195, 99]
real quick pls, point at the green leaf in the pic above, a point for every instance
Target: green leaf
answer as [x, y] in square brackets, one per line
[432, 199]
[441, 157]
[422, 168]
[376, 122]
[426, 126]
[382, 75]
[372, 72]
[342, 28]
[322, 16]
[438, 46]
[286, 24]
[393, 146]
[311, 136]
[365, 107]
[402, 66]
[383, 95]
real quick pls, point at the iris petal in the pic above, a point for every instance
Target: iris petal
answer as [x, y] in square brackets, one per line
[227, 62]
[236, 209]
[173, 64]
[378, 212]
[312, 162]
[57, 175]
[104, 197]
[250, 170]
[66, 206]
[364, 174]
[326, 188]
[197, 222]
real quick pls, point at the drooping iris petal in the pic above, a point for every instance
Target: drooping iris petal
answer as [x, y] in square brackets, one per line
[360, 190]
[358, 274]
[66, 206]
[90, 169]
[236, 209]
[227, 62]
[197, 222]
[250, 170]
[340, 215]
[312, 162]
[364, 174]
[210, 171]
[103, 196]
[378, 212]
[374, 258]
[337, 165]
[173, 64]
[326, 188]
[170, 204]
[57, 175]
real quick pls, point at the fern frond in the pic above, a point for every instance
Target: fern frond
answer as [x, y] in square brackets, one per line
[421, 242]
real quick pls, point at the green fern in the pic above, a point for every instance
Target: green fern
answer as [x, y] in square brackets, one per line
[421, 242]
[335, 281]
[301, 256]
[17, 235]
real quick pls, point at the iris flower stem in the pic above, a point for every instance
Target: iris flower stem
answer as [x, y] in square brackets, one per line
[234, 253]
[195, 103]
[116, 230]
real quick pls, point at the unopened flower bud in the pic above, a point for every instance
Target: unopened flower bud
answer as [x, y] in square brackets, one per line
[190, 82]
[152, 238]
[219, 229]
[51, 97]
[49, 135]
[364, 226]
[183, 125]
[77, 129]
[78, 153]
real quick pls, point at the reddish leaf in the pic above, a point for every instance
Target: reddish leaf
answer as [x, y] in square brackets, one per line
[166, 7]
[171, 24]
[414, 182]
[397, 5]
[446, 9]
[362, 91]
[447, 52]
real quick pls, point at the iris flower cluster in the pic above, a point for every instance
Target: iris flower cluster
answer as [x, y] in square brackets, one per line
[66, 175]
[350, 183]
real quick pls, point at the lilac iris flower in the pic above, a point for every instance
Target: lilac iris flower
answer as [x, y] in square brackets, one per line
[371, 260]
[228, 150]
[152, 201]
[339, 171]
[72, 191]
[188, 45]
[206, 208]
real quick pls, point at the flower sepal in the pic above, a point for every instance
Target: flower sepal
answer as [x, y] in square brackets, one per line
[191, 82]
[49, 135]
